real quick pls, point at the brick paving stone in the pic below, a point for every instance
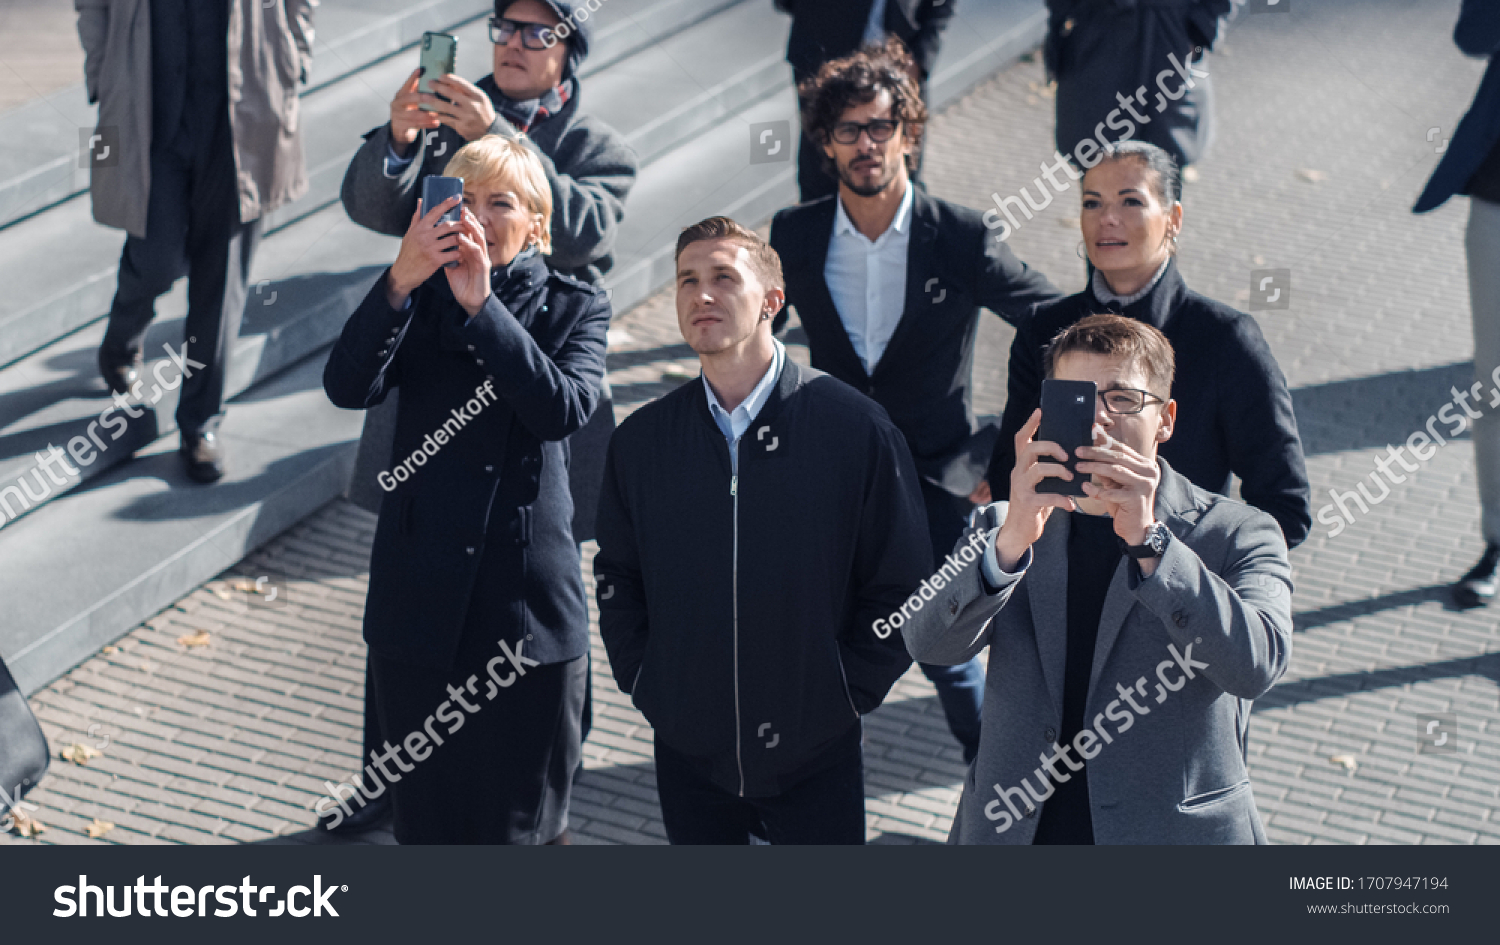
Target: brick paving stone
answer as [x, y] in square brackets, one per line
[233, 741]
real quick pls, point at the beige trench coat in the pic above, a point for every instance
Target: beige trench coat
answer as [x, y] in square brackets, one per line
[270, 51]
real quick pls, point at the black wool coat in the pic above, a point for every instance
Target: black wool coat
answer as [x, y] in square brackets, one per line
[924, 379]
[1234, 412]
[485, 517]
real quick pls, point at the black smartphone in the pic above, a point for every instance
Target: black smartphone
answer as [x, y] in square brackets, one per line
[1068, 421]
[439, 52]
[435, 190]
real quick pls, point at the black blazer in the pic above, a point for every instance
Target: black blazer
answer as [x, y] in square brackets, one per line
[1477, 34]
[823, 30]
[1234, 412]
[484, 522]
[923, 380]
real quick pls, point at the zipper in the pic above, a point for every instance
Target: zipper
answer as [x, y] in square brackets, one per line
[734, 492]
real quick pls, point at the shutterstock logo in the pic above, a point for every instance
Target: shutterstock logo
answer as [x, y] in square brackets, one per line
[190, 901]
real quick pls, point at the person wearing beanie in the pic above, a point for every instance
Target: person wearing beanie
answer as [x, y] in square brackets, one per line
[532, 96]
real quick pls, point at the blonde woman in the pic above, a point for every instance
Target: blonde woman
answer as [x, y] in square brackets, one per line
[475, 617]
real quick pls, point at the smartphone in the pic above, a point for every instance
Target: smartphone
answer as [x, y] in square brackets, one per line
[435, 190]
[439, 52]
[1068, 421]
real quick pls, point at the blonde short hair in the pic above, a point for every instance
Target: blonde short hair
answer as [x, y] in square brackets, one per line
[503, 163]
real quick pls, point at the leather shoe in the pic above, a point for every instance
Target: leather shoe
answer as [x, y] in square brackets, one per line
[372, 815]
[120, 375]
[203, 455]
[1477, 588]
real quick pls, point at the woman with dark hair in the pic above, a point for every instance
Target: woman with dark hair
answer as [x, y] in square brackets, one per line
[476, 619]
[1235, 412]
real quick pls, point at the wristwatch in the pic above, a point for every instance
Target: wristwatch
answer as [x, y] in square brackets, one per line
[1154, 546]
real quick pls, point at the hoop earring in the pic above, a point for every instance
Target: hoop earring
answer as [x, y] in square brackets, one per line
[1080, 252]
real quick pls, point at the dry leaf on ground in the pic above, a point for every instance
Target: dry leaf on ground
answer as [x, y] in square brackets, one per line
[18, 823]
[78, 754]
[98, 828]
[200, 638]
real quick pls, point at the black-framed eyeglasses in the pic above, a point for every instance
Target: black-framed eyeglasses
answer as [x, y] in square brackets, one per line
[1125, 401]
[534, 36]
[879, 130]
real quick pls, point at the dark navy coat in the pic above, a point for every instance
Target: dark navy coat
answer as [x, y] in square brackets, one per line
[478, 532]
[1477, 34]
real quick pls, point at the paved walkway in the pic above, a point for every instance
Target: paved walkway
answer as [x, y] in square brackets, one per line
[1324, 141]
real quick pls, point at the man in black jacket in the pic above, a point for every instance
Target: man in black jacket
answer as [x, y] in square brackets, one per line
[823, 32]
[756, 528]
[888, 283]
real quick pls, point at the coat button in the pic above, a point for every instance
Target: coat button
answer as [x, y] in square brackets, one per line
[1051, 734]
[471, 347]
[470, 550]
[479, 361]
[489, 469]
[1180, 619]
[1030, 812]
[382, 353]
[953, 607]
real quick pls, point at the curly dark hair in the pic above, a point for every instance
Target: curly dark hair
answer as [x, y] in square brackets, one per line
[855, 80]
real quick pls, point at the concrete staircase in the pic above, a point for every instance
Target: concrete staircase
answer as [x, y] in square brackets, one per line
[91, 545]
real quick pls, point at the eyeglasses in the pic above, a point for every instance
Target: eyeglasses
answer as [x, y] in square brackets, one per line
[1125, 401]
[534, 36]
[879, 130]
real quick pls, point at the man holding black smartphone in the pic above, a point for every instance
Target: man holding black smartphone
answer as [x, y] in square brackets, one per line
[1146, 603]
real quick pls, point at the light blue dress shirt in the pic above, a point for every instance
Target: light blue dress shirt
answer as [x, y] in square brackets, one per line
[734, 423]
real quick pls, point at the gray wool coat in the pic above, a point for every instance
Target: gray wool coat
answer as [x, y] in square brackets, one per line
[1193, 644]
[591, 169]
[270, 52]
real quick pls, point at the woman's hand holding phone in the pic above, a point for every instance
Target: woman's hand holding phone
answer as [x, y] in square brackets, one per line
[1029, 510]
[425, 248]
[470, 279]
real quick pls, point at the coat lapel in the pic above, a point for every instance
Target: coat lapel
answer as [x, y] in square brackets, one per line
[1049, 605]
[919, 264]
[821, 317]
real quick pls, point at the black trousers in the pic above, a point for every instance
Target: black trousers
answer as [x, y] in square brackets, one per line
[193, 228]
[825, 808]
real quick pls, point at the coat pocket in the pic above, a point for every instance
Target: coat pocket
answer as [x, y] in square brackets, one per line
[1209, 799]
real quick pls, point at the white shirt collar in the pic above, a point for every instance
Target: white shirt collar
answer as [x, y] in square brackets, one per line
[738, 420]
[843, 225]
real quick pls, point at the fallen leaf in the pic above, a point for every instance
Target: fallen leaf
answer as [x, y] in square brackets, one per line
[1311, 176]
[18, 823]
[78, 754]
[244, 586]
[98, 828]
[110, 649]
[200, 638]
[1348, 761]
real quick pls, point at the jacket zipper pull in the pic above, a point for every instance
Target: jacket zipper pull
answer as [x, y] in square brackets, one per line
[734, 484]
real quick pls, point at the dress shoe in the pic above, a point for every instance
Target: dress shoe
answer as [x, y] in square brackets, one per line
[203, 455]
[372, 815]
[120, 375]
[1477, 588]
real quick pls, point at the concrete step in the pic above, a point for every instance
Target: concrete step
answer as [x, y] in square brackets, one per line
[59, 265]
[308, 280]
[94, 563]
